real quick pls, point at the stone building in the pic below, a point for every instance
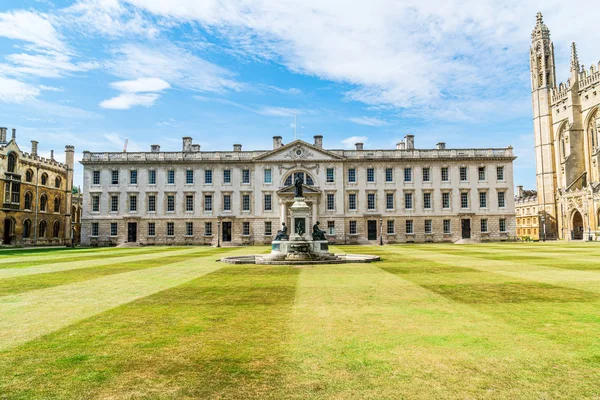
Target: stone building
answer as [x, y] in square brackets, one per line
[566, 121]
[526, 211]
[36, 207]
[242, 197]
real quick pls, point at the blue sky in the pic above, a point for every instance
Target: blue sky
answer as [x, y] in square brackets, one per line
[93, 73]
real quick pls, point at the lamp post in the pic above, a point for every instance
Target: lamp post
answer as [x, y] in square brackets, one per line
[381, 231]
[218, 233]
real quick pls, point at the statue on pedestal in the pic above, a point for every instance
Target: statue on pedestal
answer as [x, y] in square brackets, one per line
[317, 233]
[282, 234]
[298, 186]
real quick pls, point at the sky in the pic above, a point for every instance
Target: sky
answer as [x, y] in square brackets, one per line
[94, 73]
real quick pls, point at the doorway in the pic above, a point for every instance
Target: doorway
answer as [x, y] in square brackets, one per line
[372, 229]
[132, 232]
[577, 232]
[8, 230]
[466, 228]
[226, 231]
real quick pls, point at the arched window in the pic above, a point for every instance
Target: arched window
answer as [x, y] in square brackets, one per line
[26, 229]
[43, 202]
[55, 229]
[12, 162]
[57, 204]
[42, 230]
[28, 198]
[57, 182]
[306, 179]
[44, 178]
[29, 176]
[592, 130]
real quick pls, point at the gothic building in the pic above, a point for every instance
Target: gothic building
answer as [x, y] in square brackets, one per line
[242, 197]
[566, 124]
[37, 203]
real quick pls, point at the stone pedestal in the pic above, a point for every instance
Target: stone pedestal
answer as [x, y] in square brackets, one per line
[299, 213]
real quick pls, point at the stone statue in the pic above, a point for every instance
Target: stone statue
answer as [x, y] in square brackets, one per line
[318, 234]
[300, 227]
[298, 186]
[282, 234]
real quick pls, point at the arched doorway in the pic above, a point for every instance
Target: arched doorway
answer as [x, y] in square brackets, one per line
[577, 226]
[9, 228]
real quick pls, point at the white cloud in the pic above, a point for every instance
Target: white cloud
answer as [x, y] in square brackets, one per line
[349, 143]
[369, 121]
[31, 27]
[277, 111]
[13, 91]
[125, 101]
[141, 85]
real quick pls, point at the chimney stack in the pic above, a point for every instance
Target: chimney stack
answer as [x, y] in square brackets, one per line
[319, 141]
[441, 146]
[195, 148]
[34, 145]
[155, 148]
[277, 142]
[359, 146]
[69, 157]
[14, 134]
[410, 142]
[2, 135]
[519, 191]
[52, 154]
[237, 148]
[401, 145]
[187, 143]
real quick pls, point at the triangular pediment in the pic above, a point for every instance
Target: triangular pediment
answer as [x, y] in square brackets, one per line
[298, 150]
[305, 189]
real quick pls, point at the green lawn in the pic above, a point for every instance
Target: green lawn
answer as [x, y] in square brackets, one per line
[492, 321]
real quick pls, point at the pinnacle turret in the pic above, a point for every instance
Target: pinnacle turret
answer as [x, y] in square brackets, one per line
[540, 31]
[574, 59]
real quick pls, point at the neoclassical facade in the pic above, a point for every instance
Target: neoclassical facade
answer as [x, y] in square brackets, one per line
[566, 123]
[37, 195]
[242, 197]
[526, 211]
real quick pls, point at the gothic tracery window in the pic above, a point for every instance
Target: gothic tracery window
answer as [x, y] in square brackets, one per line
[12, 162]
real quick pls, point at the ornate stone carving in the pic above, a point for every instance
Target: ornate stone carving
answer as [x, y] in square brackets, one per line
[298, 152]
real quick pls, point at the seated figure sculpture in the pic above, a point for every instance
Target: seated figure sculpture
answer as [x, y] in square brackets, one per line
[282, 234]
[317, 233]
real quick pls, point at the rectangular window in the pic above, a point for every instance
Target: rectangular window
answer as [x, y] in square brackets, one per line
[371, 201]
[447, 226]
[502, 225]
[330, 175]
[330, 201]
[331, 227]
[171, 177]
[114, 231]
[170, 203]
[189, 229]
[189, 176]
[208, 177]
[407, 174]
[151, 229]
[95, 203]
[227, 176]
[428, 226]
[268, 202]
[268, 176]
[95, 177]
[245, 176]
[464, 200]
[94, 229]
[114, 203]
[246, 228]
[152, 203]
[445, 200]
[389, 201]
[445, 175]
[133, 177]
[133, 203]
[208, 228]
[391, 227]
[152, 177]
[246, 202]
[226, 202]
[463, 174]
[189, 202]
[170, 228]
[482, 199]
[427, 200]
[208, 203]
[389, 174]
[352, 175]
[370, 174]
[268, 228]
[114, 177]
[481, 173]
[501, 199]
[352, 227]
[352, 201]
[408, 201]
[409, 227]
[500, 173]
[426, 174]
[484, 226]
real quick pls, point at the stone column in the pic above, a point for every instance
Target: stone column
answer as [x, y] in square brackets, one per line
[314, 212]
[281, 212]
